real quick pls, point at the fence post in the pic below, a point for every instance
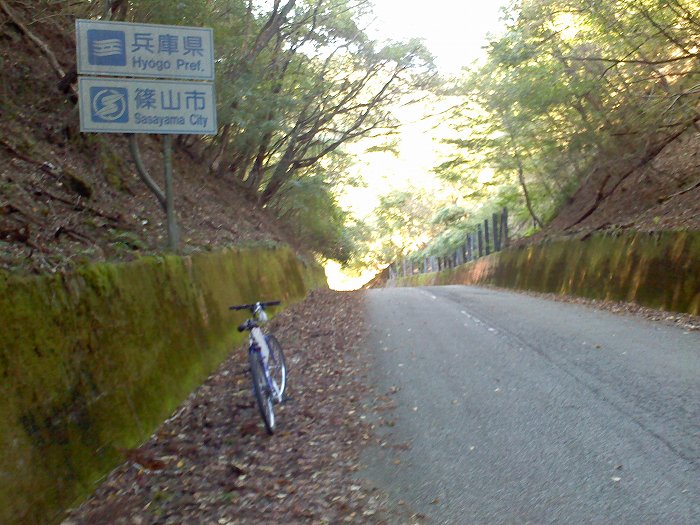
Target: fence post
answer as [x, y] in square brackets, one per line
[504, 227]
[487, 238]
[480, 240]
[496, 233]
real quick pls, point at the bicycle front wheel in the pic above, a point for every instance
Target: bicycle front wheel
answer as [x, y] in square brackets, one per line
[276, 364]
[261, 390]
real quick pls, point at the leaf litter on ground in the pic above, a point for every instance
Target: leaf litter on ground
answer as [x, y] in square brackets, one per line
[212, 461]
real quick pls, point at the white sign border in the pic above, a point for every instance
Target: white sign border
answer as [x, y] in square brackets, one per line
[87, 126]
[85, 69]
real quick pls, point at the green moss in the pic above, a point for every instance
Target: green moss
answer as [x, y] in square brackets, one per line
[94, 360]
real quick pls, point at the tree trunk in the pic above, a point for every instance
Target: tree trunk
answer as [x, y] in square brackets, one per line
[521, 178]
[280, 175]
[526, 193]
[215, 166]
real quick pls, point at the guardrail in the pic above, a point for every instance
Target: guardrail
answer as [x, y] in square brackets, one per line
[488, 237]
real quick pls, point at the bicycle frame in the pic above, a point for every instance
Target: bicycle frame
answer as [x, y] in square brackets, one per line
[258, 343]
[266, 361]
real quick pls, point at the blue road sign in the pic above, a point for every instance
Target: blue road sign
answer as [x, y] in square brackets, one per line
[144, 50]
[110, 105]
[106, 48]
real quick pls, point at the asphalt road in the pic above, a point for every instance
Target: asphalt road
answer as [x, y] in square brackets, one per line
[514, 409]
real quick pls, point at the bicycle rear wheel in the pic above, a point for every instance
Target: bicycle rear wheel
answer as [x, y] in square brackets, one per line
[276, 364]
[261, 390]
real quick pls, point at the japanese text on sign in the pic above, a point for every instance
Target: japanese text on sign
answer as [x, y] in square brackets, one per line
[144, 50]
[146, 106]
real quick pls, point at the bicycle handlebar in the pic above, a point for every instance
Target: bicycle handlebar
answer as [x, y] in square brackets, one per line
[252, 306]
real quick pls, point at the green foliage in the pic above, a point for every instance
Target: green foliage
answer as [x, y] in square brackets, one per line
[569, 87]
[308, 207]
[295, 81]
[449, 215]
[447, 241]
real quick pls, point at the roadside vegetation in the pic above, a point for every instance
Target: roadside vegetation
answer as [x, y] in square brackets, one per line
[295, 81]
[572, 95]
[575, 105]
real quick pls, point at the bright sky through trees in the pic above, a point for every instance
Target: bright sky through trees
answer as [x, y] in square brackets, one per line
[455, 32]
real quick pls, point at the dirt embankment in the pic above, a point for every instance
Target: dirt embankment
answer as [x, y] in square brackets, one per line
[659, 194]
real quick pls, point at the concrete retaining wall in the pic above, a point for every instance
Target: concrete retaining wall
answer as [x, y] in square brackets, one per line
[659, 270]
[95, 360]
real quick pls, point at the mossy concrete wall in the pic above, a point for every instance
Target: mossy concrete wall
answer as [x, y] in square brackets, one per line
[95, 360]
[659, 270]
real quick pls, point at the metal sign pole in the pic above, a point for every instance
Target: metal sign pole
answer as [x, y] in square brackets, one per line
[147, 78]
[173, 233]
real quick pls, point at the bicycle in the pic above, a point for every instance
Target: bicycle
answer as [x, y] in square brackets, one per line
[268, 369]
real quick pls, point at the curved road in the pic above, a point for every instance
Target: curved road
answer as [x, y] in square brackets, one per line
[514, 409]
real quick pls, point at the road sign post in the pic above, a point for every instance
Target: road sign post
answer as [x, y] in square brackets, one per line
[160, 81]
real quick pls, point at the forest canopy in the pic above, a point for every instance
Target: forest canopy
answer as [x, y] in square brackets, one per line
[295, 81]
[569, 90]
